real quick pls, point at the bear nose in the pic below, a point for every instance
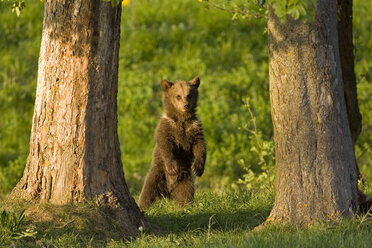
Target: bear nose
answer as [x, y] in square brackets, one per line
[187, 106]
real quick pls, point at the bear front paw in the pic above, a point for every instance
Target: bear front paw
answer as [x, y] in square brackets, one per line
[172, 170]
[197, 168]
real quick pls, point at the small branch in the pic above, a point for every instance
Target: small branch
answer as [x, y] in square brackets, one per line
[254, 132]
[240, 11]
[210, 224]
[64, 225]
[365, 217]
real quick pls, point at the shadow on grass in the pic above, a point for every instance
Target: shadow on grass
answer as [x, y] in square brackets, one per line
[213, 221]
[231, 211]
[77, 225]
[70, 225]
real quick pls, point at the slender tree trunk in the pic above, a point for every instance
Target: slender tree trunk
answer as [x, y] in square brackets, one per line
[74, 147]
[316, 176]
[346, 48]
[345, 39]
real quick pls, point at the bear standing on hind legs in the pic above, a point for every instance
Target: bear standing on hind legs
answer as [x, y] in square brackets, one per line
[180, 148]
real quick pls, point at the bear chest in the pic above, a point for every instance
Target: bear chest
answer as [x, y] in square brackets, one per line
[183, 137]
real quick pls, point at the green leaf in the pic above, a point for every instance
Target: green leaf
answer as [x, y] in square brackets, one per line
[261, 3]
[292, 2]
[294, 12]
[302, 9]
[17, 6]
[114, 2]
[280, 9]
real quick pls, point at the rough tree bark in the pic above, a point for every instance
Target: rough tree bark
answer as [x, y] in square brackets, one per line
[74, 147]
[316, 175]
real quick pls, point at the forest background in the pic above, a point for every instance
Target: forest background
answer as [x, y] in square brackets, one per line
[164, 40]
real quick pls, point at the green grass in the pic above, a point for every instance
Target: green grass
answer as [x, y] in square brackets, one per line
[225, 219]
[162, 39]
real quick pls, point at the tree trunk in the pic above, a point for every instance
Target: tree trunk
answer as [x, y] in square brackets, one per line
[316, 176]
[74, 147]
[345, 39]
[346, 48]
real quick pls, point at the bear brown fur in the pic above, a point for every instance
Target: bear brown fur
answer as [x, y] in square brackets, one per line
[180, 147]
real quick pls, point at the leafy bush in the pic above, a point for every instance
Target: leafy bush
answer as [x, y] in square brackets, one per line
[260, 175]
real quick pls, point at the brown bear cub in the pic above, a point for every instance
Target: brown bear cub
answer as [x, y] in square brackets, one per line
[180, 148]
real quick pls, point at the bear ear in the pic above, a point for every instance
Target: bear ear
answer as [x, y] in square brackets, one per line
[165, 85]
[195, 82]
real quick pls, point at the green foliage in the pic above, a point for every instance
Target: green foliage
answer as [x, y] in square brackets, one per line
[114, 2]
[10, 174]
[295, 8]
[17, 6]
[362, 20]
[261, 174]
[248, 10]
[19, 48]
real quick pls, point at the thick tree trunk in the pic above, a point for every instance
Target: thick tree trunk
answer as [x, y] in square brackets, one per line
[316, 176]
[74, 147]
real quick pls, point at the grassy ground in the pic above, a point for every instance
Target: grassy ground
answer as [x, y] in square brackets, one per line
[223, 219]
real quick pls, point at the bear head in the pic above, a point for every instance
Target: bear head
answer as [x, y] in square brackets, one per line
[180, 96]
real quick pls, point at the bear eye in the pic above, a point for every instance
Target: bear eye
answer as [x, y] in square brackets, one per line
[189, 96]
[178, 97]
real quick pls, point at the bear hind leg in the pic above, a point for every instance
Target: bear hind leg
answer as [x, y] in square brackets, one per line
[151, 190]
[183, 192]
